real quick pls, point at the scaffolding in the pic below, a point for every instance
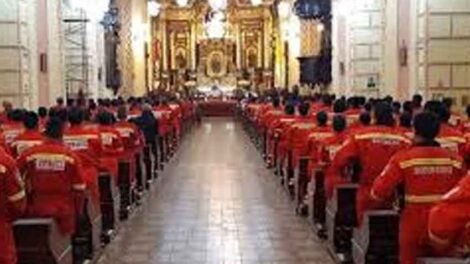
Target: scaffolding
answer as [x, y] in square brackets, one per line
[77, 57]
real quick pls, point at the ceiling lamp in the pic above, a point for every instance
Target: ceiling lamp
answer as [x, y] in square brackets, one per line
[153, 8]
[256, 2]
[215, 26]
[218, 4]
[182, 3]
[283, 9]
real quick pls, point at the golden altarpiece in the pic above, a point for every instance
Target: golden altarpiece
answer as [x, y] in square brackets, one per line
[190, 49]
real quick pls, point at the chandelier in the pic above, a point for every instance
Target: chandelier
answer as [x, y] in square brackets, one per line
[218, 4]
[182, 3]
[215, 25]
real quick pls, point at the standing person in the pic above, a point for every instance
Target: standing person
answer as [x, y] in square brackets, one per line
[12, 205]
[148, 124]
[426, 171]
[54, 179]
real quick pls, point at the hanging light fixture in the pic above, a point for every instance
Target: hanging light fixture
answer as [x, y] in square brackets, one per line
[218, 4]
[256, 2]
[153, 8]
[283, 9]
[182, 3]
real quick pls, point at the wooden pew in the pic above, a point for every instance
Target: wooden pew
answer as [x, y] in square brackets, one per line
[288, 176]
[300, 186]
[161, 148]
[443, 261]
[140, 177]
[125, 189]
[317, 202]
[109, 203]
[39, 241]
[340, 221]
[376, 241]
[87, 238]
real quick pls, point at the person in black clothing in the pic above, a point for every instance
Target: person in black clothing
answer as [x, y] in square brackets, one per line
[148, 124]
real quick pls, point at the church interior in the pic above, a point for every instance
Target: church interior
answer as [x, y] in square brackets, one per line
[234, 131]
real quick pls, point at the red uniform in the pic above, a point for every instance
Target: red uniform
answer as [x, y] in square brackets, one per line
[86, 143]
[12, 204]
[448, 227]
[113, 149]
[10, 131]
[372, 148]
[297, 137]
[55, 183]
[318, 135]
[452, 139]
[426, 173]
[132, 140]
[24, 141]
[163, 114]
[326, 149]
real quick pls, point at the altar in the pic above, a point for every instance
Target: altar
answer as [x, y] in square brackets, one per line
[213, 43]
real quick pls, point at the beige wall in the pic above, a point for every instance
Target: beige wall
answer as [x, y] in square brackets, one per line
[368, 35]
[17, 49]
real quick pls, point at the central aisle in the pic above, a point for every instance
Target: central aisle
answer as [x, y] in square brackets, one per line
[216, 203]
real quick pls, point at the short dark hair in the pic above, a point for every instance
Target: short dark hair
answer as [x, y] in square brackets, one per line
[339, 123]
[426, 125]
[31, 120]
[322, 118]
[76, 116]
[406, 119]
[289, 109]
[339, 106]
[42, 112]
[304, 108]
[468, 110]
[122, 113]
[364, 118]
[54, 128]
[384, 114]
[16, 115]
[104, 118]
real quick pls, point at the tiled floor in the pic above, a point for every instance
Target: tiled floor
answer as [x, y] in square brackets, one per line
[216, 204]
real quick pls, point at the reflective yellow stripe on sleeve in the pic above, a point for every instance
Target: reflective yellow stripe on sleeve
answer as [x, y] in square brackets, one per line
[79, 187]
[437, 239]
[17, 196]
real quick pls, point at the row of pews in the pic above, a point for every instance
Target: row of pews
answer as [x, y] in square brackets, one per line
[334, 220]
[39, 241]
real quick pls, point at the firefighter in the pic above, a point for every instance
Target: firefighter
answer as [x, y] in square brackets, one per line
[132, 138]
[448, 229]
[426, 171]
[86, 143]
[380, 141]
[54, 181]
[29, 137]
[12, 205]
[111, 143]
[13, 127]
[42, 113]
[449, 137]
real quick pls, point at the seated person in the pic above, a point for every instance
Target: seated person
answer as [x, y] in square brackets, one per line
[12, 205]
[380, 141]
[86, 143]
[111, 143]
[54, 179]
[448, 229]
[426, 171]
[30, 137]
